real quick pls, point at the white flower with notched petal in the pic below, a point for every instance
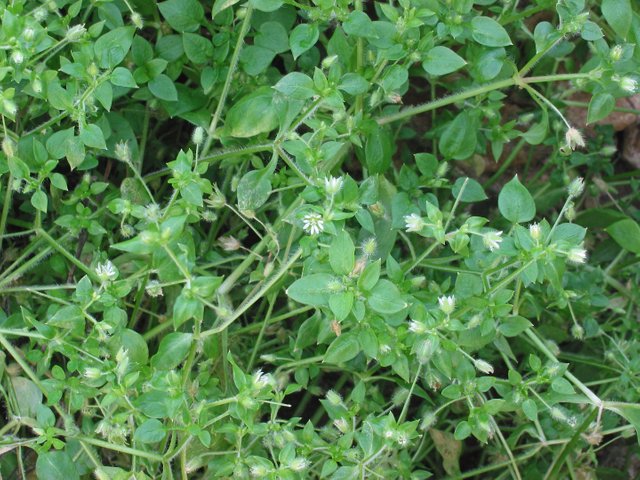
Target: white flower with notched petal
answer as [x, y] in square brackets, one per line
[447, 304]
[413, 222]
[576, 187]
[332, 185]
[313, 223]
[106, 271]
[574, 138]
[577, 255]
[482, 366]
[492, 240]
[535, 231]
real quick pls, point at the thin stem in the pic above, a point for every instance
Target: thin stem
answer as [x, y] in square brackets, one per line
[5, 208]
[233, 64]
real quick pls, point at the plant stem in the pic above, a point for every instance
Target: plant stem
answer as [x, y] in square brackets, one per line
[244, 28]
[475, 91]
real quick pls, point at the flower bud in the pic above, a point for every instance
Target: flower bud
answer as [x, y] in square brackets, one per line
[137, 20]
[198, 136]
[482, 366]
[576, 187]
[615, 54]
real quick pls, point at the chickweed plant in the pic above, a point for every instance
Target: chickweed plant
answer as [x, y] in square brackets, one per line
[289, 239]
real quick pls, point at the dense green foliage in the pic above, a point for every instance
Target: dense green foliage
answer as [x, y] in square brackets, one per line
[317, 239]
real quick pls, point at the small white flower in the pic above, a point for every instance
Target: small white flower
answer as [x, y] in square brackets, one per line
[313, 223]
[154, 289]
[577, 331]
[299, 464]
[628, 84]
[137, 20]
[482, 366]
[17, 57]
[332, 185]
[334, 397]
[492, 240]
[259, 471]
[106, 271]
[28, 34]
[260, 379]
[198, 136]
[229, 244]
[616, 53]
[75, 33]
[417, 327]
[92, 373]
[577, 255]
[447, 304]
[576, 187]
[369, 247]
[574, 138]
[152, 213]
[9, 106]
[40, 14]
[389, 433]
[402, 439]
[535, 231]
[413, 222]
[341, 424]
[384, 348]
[122, 151]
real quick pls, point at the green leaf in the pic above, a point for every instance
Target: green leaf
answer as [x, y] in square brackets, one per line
[601, 105]
[182, 15]
[56, 466]
[197, 48]
[630, 412]
[562, 386]
[221, 5]
[618, 14]
[530, 409]
[296, 85]
[151, 431]
[486, 31]
[538, 131]
[441, 61]
[591, 31]
[185, 308]
[29, 395]
[254, 188]
[342, 349]
[122, 77]
[252, 115]
[473, 191]
[58, 181]
[385, 298]
[311, 289]
[512, 326]
[516, 203]
[626, 233]
[172, 350]
[92, 136]
[459, 138]
[353, 84]
[302, 38]
[378, 149]
[163, 88]
[74, 151]
[112, 47]
[369, 276]
[342, 254]
[341, 304]
[39, 200]
[266, 5]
